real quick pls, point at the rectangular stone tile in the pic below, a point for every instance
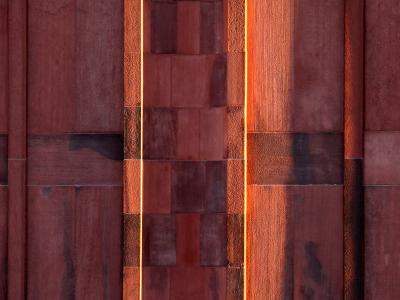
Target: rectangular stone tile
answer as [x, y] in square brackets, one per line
[234, 283]
[296, 66]
[156, 187]
[3, 241]
[381, 158]
[74, 242]
[3, 159]
[382, 83]
[131, 283]
[215, 287]
[99, 65]
[98, 239]
[131, 241]
[204, 283]
[235, 186]
[51, 63]
[235, 240]
[212, 133]
[382, 245]
[132, 132]
[188, 134]
[305, 257]
[234, 132]
[235, 77]
[295, 158]
[51, 236]
[69, 51]
[187, 239]
[199, 80]
[157, 80]
[159, 239]
[216, 181]
[213, 245]
[131, 183]
[188, 186]
[212, 27]
[156, 283]
[218, 93]
[163, 27]
[188, 27]
[235, 20]
[76, 159]
[131, 50]
[159, 129]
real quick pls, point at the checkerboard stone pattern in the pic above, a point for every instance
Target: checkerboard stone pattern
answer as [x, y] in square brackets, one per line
[193, 126]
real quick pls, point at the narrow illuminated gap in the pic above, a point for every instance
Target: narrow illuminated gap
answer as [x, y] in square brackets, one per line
[245, 154]
[141, 155]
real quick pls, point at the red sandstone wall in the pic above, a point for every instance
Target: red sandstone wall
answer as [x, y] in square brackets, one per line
[70, 149]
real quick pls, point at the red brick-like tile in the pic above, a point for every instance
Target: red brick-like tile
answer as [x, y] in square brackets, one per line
[381, 157]
[163, 27]
[188, 239]
[212, 27]
[215, 287]
[131, 283]
[234, 186]
[213, 240]
[156, 187]
[132, 132]
[156, 283]
[235, 239]
[190, 81]
[382, 83]
[189, 25]
[218, 86]
[187, 283]
[212, 133]
[188, 134]
[159, 239]
[188, 186]
[159, 133]
[216, 175]
[131, 186]
[157, 80]
[97, 251]
[382, 245]
[131, 244]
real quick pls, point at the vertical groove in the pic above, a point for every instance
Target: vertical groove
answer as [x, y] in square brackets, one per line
[353, 158]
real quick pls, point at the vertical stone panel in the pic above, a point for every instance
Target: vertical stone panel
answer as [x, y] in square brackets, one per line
[295, 149]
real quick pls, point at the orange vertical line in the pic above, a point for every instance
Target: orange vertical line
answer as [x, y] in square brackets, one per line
[141, 154]
[245, 153]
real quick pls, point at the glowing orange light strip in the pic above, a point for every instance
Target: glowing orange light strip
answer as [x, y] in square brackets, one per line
[141, 155]
[245, 156]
